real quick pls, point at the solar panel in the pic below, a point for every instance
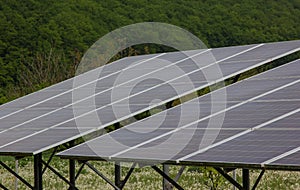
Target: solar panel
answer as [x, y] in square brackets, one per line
[261, 126]
[289, 158]
[254, 147]
[50, 112]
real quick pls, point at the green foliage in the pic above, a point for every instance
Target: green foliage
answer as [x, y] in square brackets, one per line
[43, 70]
[210, 177]
[32, 28]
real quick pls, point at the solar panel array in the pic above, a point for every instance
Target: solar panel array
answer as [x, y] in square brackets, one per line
[45, 119]
[260, 128]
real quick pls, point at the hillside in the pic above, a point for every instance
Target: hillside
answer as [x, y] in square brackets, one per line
[41, 42]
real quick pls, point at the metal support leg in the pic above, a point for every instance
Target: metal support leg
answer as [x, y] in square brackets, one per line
[166, 184]
[246, 179]
[118, 174]
[38, 172]
[234, 177]
[72, 174]
[17, 171]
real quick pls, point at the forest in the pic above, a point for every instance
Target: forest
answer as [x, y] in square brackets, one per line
[42, 42]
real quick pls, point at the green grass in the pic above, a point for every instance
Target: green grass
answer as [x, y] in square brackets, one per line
[144, 178]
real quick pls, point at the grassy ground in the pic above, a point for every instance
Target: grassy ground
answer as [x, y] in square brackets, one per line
[146, 178]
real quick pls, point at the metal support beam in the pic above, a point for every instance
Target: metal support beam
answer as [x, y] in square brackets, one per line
[174, 183]
[165, 183]
[72, 171]
[3, 187]
[246, 179]
[102, 176]
[258, 179]
[79, 171]
[229, 178]
[127, 175]
[15, 174]
[227, 170]
[118, 174]
[234, 177]
[50, 159]
[38, 172]
[121, 182]
[17, 171]
[58, 174]
[179, 174]
[72, 174]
